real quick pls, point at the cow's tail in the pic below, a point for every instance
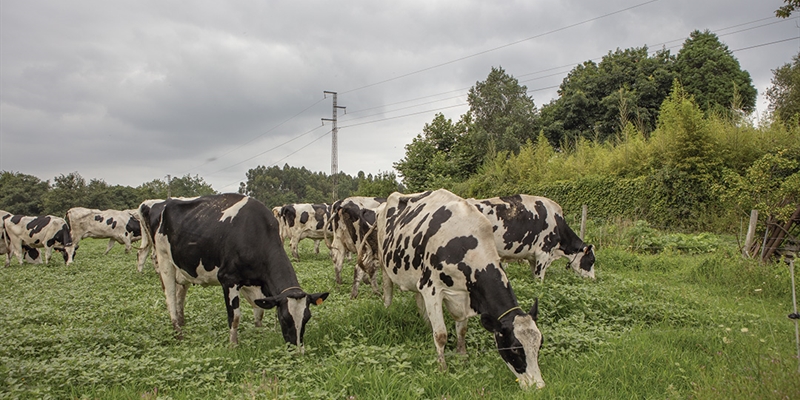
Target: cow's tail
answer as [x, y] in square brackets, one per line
[364, 239]
[146, 243]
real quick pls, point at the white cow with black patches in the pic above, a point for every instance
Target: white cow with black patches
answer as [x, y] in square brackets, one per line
[440, 247]
[117, 226]
[31, 255]
[44, 231]
[232, 241]
[533, 228]
[351, 220]
[304, 221]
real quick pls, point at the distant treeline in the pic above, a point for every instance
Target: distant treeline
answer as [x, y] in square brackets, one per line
[28, 195]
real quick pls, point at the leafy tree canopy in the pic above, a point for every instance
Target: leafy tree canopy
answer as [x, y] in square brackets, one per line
[784, 94]
[709, 72]
[788, 9]
[21, 193]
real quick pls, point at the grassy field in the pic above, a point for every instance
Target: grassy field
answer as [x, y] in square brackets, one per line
[660, 326]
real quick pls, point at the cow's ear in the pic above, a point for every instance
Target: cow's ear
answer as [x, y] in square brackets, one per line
[267, 303]
[535, 310]
[587, 249]
[489, 323]
[317, 298]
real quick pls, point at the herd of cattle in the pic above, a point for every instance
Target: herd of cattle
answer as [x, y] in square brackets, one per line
[447, 250]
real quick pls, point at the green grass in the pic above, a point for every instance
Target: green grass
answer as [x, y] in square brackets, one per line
[658, 326]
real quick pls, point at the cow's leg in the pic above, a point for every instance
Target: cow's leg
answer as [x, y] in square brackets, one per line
[338, 264]
[234, 313]
[167, 273]
[316, 246]
[433, 307]
[127, 242]
[358, 274]
[461, 335]
[294, 243]
[180, 302]
[539, 264]
[421, 307]
[388, 288]
[250, 294]
[373, 279]
[110, 245]
[141, 256]
[48, 252]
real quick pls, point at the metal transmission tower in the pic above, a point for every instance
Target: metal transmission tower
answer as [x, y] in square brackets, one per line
[334, 145]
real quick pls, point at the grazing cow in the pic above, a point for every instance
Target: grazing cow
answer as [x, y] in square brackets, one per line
[302, 221]
[533, 228]
[351, 220]
[229, 240]
[42, 231]
[116, 226]
[32, 255]
[441, 247]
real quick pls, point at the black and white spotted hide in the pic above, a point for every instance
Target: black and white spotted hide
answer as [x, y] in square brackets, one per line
[533, 228]
[232, 241]
[301, 221]
[441, 247]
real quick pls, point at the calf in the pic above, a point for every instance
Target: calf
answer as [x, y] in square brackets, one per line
[116, 226]
[302, 221]
[42, 231]
[228, 240]
[439, 246]
[351, 220]
[533, 228]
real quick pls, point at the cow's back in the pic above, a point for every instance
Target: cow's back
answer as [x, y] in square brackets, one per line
[433, 238]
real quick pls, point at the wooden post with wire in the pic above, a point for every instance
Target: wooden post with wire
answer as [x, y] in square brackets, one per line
[584, 211]
[751, 234]
[794, 315]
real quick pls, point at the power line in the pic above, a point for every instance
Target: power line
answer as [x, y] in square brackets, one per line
[463, 89]
[290, 154]
[268, 150]
[212, 159]
[501, 47]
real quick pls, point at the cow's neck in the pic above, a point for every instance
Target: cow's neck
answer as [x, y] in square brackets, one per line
[489, 294]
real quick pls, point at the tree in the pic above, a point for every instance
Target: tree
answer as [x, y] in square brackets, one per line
[381, 185]
[190, 186]
[709, 72]
[67, 191]
[437, 152]
[22, 194]
[596, 100]
[788, 9]
[502, 111]
[784, 94]
[500, 119]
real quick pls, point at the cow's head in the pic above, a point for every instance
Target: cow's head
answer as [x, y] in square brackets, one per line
[62, 241]
[582, 262]
[518, 340]
[293, 308]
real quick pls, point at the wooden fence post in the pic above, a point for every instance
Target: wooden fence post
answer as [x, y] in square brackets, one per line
[751, 233]
[584, 211]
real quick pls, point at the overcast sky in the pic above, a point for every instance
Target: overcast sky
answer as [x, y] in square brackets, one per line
[131, 91]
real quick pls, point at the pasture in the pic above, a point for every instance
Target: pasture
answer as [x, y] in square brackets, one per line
[660, 326]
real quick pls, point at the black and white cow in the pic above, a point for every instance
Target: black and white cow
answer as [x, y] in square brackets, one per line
[351, 220]
[117, 226]
[45, 231]
[532, 228]
[301, 221]
[32, 255]
[441, 247]
[229, 240]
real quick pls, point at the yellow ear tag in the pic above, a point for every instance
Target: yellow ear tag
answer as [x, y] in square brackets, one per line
[319, 301]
